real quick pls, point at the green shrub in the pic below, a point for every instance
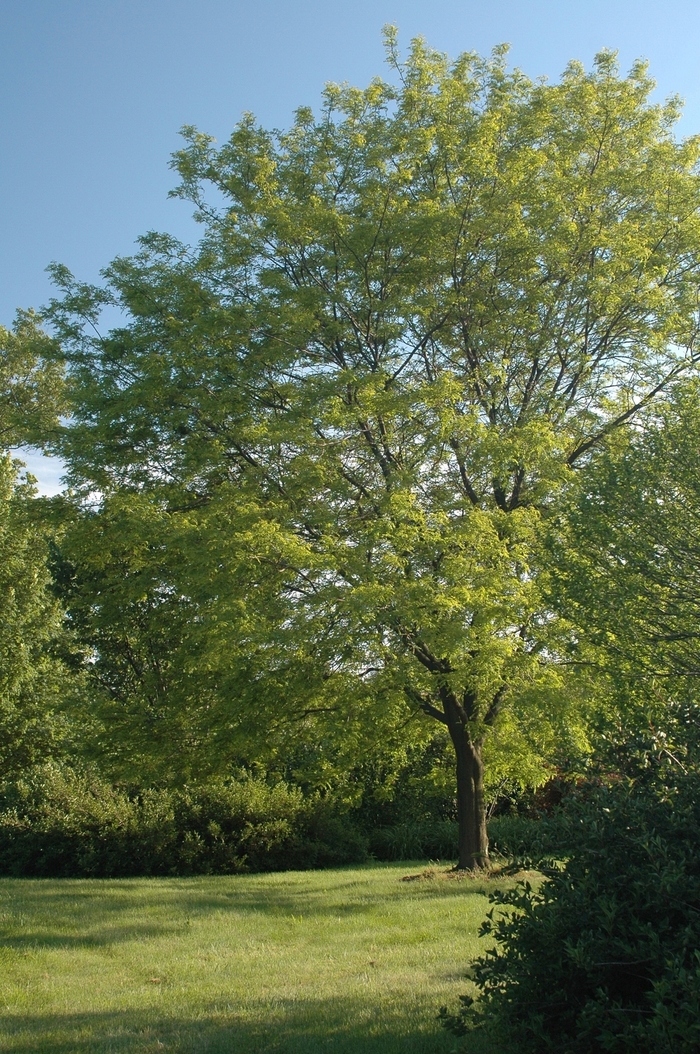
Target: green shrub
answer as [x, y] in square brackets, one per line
[56, 822]
[226, 827]
[605, 954]
[522, 837]
[510, 836]
[437, 840]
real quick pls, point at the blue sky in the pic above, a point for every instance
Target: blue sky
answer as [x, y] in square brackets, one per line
[93, 92]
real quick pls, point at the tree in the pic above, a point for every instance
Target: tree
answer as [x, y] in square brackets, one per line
[182, 668]
[28, 620]
[627, 557]
[626, 569]
[114, 571]
[34, 679]
[408, 323]
[31, 384]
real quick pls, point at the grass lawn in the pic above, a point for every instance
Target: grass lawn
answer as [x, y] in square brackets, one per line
[351, 960]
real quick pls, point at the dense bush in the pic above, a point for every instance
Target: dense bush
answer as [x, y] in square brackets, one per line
[528, 838]
[524, 837]
[437, 840]
[408, 809]
[56, 822]
[411, 784]
[605, 954]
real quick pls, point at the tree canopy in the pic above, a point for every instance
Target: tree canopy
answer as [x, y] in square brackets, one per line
[34, 680]
[628, 560]
[408, 323]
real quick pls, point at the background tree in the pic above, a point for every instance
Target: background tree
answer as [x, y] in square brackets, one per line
[408, 322]
[35, 681]
[636, 529]
[628, 560]
[31, 384]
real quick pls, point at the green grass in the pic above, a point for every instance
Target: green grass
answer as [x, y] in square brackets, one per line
[351, 960]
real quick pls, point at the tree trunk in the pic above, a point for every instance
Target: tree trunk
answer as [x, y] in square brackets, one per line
[471, 810]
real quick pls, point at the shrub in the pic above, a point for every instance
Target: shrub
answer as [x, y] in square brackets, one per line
[510, 836]
[605, 954]
[437, 840]
[57, 822]
[523, 837]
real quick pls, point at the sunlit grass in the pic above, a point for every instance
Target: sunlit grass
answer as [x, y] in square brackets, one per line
[351, 960]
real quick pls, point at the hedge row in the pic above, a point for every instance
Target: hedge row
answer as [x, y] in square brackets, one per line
[59, 823]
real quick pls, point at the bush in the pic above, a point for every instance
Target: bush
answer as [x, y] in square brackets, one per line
[56, 822]
[605, 954]
[510, 836]
[521, 837]
[415, 841]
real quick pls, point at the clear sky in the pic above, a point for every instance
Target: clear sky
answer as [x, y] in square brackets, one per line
[93, 92]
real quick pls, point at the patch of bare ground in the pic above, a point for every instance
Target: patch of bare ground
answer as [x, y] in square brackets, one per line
[452, 874]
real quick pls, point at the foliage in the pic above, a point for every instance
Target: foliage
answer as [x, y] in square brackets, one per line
[153, 700]
[415, 841]
[604, 954]
[408, 322]
[58, 822]
[408, 808]
[37, 681]
[523, 838]
[31, 384]
[628, 561]
[184, 667]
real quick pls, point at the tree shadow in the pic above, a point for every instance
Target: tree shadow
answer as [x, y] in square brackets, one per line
[292, 1027]
[88, 913]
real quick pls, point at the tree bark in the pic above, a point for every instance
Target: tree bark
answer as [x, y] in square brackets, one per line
[460, 715]
[471, 810]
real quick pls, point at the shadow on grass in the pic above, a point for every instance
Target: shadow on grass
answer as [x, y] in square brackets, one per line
[308, 1027]
[89, 913]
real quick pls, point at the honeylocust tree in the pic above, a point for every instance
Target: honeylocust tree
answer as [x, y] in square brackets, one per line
[408, 323]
